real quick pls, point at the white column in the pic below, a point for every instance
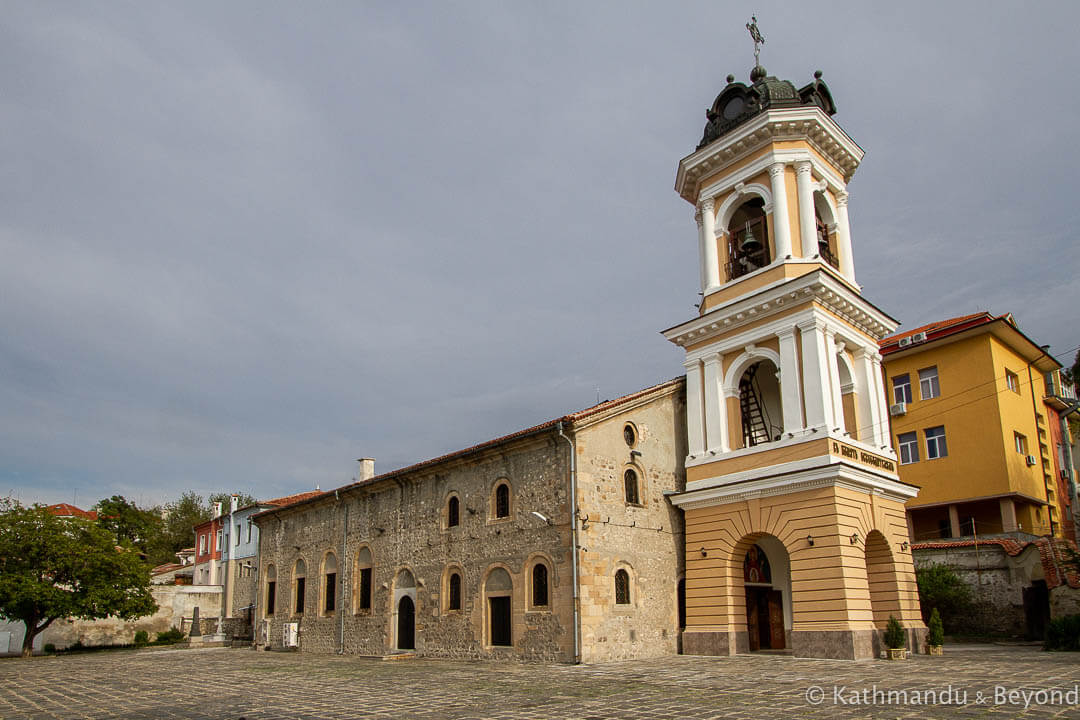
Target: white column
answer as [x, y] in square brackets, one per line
[834, 381]
[790, 394]
[716, 426]
[815, 372]
[695, 432]
[843, 238]
[781, 219]
[701, 247]
[708, 230]
[882, 425]
[869, 413]
[807, 227]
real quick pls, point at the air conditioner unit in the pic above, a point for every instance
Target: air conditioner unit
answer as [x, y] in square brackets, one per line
[290, 635]
[904, 341]
[898, 409]
[1030, 460]
[918, 337]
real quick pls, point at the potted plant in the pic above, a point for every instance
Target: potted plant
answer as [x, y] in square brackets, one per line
[935, 638]
[895, 639]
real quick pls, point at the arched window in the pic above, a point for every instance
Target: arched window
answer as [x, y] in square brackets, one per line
[454, 592]
[453, 511]
[622, 587]
[748, 239]
[363, 586]
[271, 589]
[299, 582]
[824, 247]
[502, 500]
[329, 584]
[630, 486]
[540, 585]
[760, 404]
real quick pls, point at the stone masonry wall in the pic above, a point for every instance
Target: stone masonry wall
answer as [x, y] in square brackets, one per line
[401, 520]
[645, 539]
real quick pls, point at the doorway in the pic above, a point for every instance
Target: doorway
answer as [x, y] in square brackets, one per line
[765, 618]
[500, 620]
[406, 629]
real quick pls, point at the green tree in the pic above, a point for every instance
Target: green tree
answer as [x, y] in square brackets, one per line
[941, 588]
[52, 568]
[129, 524]
[181, 516]
[224, 499]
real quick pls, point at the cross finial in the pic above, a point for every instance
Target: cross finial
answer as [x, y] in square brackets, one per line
[756, 36]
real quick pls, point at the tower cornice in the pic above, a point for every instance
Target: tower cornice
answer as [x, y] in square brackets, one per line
[810, 123]
[832, 294]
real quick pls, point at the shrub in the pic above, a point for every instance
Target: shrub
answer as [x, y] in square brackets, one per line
[936, 636]
[77, 645]
[1063, 633]
[50, 648]
[170, 636]
[895, 638]
[141, 637]
[942, 589]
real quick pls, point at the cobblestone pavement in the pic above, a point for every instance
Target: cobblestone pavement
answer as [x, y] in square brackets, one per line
[242, 683]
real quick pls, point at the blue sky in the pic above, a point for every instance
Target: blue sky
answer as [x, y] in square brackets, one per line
[244, 244]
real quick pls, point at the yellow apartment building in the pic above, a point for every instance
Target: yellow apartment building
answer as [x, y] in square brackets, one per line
[973, 403]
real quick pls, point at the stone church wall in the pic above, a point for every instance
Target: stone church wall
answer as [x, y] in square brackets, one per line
[401, 520]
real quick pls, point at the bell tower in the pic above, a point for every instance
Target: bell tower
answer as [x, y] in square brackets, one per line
[796, 536]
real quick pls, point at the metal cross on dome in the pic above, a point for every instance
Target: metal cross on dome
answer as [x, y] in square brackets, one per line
[757, 37]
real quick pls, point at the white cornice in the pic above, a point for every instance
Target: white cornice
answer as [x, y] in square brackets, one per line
[809, 123]
[835, 474]
[832, 294]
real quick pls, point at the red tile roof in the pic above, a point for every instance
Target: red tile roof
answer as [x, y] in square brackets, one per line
[290, 499]
[66, 510]
[569, 419]
[942, 328]
[1051, 554]
[166, 568]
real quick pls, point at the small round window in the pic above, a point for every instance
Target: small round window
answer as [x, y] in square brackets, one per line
[629, 434]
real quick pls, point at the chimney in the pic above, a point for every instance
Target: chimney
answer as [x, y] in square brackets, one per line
[234, 501]
[217, 509]
[367, 469]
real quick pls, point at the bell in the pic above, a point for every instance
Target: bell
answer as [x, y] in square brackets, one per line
[749, 243]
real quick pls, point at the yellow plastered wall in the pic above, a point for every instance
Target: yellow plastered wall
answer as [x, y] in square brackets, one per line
[830, 583]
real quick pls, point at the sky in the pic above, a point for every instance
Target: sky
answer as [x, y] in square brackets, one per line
[243, 244]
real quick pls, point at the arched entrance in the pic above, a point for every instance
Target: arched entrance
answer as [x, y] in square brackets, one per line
[767, 586]
[405, 611]
[406, 624]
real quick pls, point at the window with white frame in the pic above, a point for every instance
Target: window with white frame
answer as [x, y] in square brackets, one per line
[901, 388]
[1012, 381]
[928, 383]
[202, 544]
[909, 448]
[935, 443]
[237, 541]
[1021, 443]
[248, 530]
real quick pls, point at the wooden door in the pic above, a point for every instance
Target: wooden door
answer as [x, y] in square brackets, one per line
[776, 620]
[500, 620]
[753, 629]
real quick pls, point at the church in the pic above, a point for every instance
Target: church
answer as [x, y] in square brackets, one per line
[753, 504]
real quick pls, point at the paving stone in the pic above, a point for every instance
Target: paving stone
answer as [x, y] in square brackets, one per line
[227, 684]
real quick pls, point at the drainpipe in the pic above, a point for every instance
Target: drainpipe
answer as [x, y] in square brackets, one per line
[343, 567]
[574, 542]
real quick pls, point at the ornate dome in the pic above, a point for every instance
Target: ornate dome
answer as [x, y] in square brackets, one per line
[739, 102]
